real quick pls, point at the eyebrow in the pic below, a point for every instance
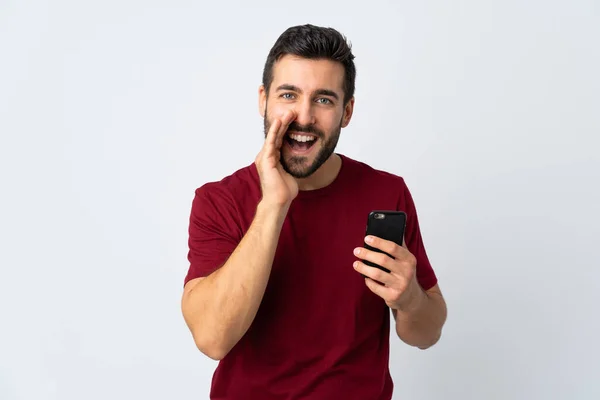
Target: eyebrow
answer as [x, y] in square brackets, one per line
[322, 92]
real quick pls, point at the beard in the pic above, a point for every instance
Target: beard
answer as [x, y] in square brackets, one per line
[299, 166]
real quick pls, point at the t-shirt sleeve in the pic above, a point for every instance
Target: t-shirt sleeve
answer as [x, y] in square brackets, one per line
[414, 241]
[213, 231]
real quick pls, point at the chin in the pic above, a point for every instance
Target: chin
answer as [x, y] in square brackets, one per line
[299, 167]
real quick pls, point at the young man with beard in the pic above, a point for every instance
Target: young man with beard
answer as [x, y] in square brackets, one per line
[276, 287]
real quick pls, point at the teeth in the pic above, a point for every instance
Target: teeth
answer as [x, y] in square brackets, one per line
[302, 138]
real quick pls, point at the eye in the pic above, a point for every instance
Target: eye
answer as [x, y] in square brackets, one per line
[287, 96]
[324, 100]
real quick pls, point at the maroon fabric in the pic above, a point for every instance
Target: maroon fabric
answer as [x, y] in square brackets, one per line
[320, 333]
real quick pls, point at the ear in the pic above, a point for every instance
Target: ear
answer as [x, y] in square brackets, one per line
[262, 100]
[348, 110]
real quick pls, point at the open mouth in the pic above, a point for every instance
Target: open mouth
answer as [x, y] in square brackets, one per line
[300, 142]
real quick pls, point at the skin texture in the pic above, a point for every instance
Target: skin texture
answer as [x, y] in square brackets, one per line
[306, 96]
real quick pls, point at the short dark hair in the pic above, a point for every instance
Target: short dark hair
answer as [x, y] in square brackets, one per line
[313, 42]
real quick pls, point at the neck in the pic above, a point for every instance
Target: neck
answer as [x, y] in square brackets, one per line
[324, 176]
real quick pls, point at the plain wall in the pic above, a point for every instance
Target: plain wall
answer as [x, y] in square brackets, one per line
[113, 112]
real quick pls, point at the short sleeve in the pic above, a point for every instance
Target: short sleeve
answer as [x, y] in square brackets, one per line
[414, 241]
[214, 231]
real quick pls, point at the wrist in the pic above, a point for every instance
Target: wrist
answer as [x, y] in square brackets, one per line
[414, 300]
[271, 210]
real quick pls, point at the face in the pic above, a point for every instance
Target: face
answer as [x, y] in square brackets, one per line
[314, 90]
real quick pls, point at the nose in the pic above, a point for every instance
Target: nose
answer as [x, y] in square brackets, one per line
[305, 112]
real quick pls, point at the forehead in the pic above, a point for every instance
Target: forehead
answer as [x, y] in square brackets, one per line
[308, 74]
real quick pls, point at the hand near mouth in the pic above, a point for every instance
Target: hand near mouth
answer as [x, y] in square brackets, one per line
[278, 187]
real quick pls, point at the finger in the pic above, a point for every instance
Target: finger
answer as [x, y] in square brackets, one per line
[286, 120]
[273, 131]
[374, 273]
[380, 290]
[375, 257]
[271, 147]
[275, 136]
[384, 245]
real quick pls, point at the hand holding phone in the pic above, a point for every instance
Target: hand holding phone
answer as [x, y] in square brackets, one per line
[387, 225]
[396, 283]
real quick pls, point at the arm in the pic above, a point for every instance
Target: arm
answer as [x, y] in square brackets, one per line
[219, 308]
[420, 324]
[420, 315]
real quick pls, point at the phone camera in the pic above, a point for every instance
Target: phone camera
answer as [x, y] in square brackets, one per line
[379, 216]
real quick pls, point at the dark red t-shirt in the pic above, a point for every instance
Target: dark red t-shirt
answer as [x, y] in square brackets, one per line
[319, 333]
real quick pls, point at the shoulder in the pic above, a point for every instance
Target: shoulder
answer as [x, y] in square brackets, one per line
[230, 189]
[238, 182]
[369, 174]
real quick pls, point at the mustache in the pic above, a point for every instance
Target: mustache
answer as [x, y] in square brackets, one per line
[294, 126]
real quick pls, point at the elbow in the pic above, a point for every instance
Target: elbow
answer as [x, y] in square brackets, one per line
[420, 340]
[213, 349]
[213, 353]
[431, 343]
[425, 346]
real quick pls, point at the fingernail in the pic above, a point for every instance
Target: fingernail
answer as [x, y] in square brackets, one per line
[355, 264]
[356, 251]
[369, 239]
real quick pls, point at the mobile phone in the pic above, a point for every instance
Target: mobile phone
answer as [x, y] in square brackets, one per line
[387, 225]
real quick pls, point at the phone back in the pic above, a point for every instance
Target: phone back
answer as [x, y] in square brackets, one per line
[388, 225]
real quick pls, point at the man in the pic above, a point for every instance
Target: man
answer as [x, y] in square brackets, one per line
[277, 289]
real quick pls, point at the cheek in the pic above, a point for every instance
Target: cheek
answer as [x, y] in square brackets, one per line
[330, 121]
[275, 109]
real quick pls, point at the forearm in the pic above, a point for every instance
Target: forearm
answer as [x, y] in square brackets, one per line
[221, 308]
[420, 323]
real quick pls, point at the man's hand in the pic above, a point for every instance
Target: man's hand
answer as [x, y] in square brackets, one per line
[278, 187]
[399, 288]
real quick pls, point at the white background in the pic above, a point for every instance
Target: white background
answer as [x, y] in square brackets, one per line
[113, 112]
